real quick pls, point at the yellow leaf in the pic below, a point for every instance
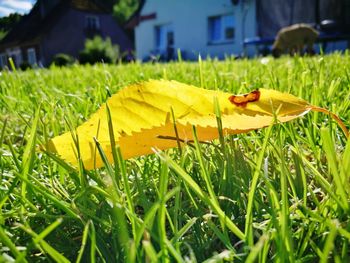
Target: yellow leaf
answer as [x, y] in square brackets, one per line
[142, 119]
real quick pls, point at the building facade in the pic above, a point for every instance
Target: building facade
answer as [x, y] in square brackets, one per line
[195, 27]
[59, 26]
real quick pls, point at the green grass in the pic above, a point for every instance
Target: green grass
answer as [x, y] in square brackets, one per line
[277, 194]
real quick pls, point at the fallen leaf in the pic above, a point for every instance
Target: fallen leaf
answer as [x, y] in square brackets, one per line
[142, 119]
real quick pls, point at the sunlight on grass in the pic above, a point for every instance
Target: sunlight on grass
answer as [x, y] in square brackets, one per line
[277, 194]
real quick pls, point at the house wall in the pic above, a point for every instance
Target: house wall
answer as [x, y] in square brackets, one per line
[16, 54]
[68, 34]
[190, 24]
[19, 53]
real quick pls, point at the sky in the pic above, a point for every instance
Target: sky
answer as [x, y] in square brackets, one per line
[11, 6]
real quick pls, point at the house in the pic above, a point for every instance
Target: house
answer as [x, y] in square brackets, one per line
[205, 27]
[59, 26]
[224, 27]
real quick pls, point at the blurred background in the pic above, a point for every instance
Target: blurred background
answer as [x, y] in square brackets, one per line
[37, 33]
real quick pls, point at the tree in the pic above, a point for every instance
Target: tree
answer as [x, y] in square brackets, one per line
[8, 22]
[123, 9]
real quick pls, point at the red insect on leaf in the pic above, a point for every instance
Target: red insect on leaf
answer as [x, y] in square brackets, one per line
[242, 100]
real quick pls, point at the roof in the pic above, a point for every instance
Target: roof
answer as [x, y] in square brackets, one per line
[92, 5]
[32, 26]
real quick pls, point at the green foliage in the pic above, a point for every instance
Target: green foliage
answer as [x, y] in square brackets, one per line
[62, 60]
[98, 50]
[8, 22]
[2, 34]
[285, 187]
[124, 9]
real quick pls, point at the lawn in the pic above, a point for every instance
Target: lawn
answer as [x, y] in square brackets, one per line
[286, 187]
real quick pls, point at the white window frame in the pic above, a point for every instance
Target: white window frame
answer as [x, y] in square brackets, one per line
[31, 56]
[92, 22]
[16, 54]
[225, 22]
[163, 30]
[3, 60]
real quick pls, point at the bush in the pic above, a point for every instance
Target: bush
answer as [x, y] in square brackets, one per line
[99, 50]
[62, 60]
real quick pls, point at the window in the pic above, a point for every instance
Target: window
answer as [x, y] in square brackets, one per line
[31, 55]
[164, 35]
[221, 29]
[92, 22]
[3, 60]
[16, 55]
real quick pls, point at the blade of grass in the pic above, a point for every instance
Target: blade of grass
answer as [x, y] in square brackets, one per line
[163, 185]
[225, 255]
[146, 223]
[2, 133]
[200, 64]
[183, 230]
[321, 180]
[92, 243]
[224, 239]
[284, 212]
[58, 203]
[6, 241]
[346, 161]
[204, 170]
[57, 256]
[249, 216]
[83, 241]
[328, 147]
[47, 230]
[151, 254]
[329, 245]
[255, 250]
[108, 166]
[129, 199]
[173, 251]
[113, 146]
[194, 186]
[28, 156]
